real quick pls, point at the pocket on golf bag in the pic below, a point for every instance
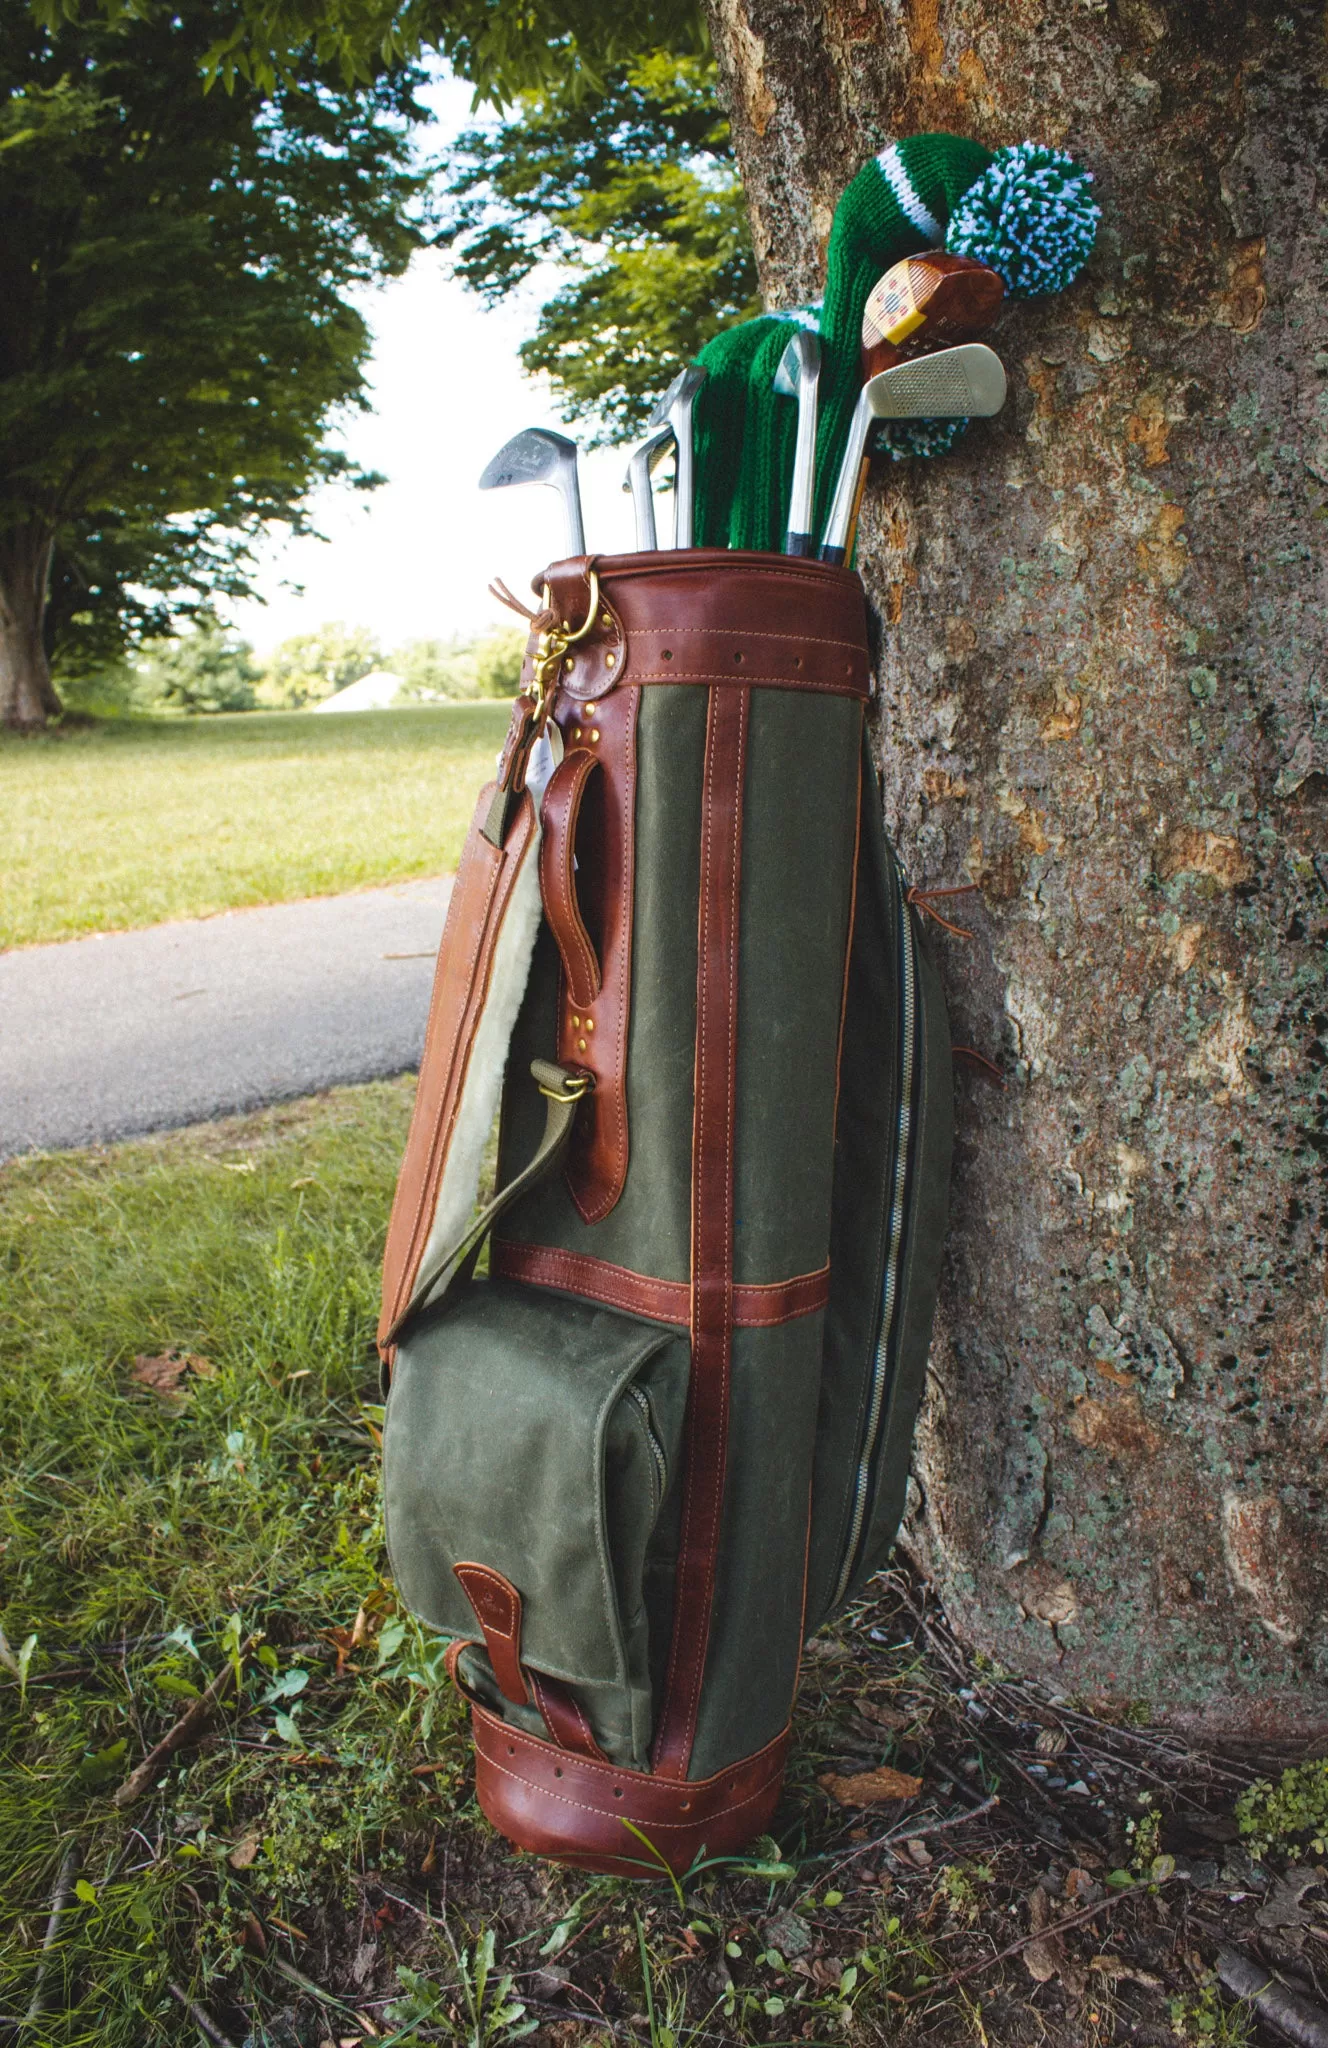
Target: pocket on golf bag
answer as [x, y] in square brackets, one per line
[535, 1442]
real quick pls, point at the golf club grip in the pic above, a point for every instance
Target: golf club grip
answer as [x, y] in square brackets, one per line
[802, 544]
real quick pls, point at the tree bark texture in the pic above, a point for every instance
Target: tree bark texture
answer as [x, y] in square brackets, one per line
[1103, 677]
[27, 695]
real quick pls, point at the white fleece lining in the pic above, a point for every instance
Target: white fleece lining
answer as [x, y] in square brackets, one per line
[488, 1060]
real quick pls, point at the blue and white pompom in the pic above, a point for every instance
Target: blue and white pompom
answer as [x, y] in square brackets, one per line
[1030, 217]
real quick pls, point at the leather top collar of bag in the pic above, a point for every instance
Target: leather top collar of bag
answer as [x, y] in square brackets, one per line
[671, 618]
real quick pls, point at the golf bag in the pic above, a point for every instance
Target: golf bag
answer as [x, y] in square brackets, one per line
[667, 1436]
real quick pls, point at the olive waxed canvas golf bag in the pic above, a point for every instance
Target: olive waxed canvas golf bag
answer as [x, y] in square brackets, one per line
[631, 1470]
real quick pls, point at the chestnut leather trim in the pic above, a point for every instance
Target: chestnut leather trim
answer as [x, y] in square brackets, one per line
[563, 1716]
[593, 1033]
[497, 1606]
[755, 1307]
[712, 1223]
[484, 882]
[713, 616]
[561, 809]
[572, 1808]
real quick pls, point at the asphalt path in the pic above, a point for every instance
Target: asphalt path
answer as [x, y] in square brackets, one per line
[127, 1032]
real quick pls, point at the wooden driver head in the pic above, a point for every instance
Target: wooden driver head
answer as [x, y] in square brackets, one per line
[927, 302]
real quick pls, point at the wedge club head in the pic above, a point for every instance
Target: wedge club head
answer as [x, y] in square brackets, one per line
[967, 382]
[539, 456]
[799, 376]
[675, 410]
[645, 459]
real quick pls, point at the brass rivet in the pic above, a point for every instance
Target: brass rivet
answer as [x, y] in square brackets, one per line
[606, 622]
[610, 661]
[569, 665]
[577, 734]
[595, 734]
[591, 709]
[576, 1023]
[590, 1023]
[580, 1044]
[567, 625]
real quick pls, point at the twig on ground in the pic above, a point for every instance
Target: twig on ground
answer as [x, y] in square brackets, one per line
[200, 2016]
[1298, 2018]
[911, 1831]
[8, 1659]
[303, 1983]
[66, 1877]
[186, 1730]
[1040, 1934]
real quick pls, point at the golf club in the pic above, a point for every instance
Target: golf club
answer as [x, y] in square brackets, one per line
[926, 302]
[958, 383]
[644, 460]
[540, 457]
[675, 410]
[798, 376]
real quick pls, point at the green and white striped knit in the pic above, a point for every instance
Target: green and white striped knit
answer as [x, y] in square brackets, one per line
[1025, 211]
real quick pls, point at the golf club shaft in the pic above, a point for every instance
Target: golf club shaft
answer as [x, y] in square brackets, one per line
[643, 499]
[570, 483]
[683, 476]
[799, 539]
[848, 487]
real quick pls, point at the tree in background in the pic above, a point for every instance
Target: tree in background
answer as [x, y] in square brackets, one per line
[489, 666]
[632, 190]
[503, 50]
[208, 669]
[310, 666]
[175, 335]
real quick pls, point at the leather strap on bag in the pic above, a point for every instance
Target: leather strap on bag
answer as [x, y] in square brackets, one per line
[712, 1224]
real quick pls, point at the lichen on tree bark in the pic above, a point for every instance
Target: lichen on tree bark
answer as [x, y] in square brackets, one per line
[1102, 677]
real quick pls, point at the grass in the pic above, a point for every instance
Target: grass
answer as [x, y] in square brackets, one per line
[314, 1868]
[117, 823]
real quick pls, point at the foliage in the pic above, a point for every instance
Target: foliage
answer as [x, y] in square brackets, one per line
[634, 192]
[488, 666]
[120, 824]
[1285, 1815]
[502, 50]
[210, 669]
[311, 666]
[175, 330]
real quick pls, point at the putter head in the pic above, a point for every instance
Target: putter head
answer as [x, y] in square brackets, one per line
[681, 393]
[963, 383]
[800, 360]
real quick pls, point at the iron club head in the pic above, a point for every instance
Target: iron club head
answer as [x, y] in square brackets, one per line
[539, 456]
[645, 458]
[799, 376]
[675, 410]
[967, 382]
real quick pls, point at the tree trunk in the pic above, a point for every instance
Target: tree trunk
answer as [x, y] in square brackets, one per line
[27, 695]
[1103, 681]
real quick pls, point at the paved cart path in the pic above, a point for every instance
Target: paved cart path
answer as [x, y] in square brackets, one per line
[127, 1032]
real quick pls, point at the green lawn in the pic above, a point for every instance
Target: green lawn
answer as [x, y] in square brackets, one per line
[130, 821]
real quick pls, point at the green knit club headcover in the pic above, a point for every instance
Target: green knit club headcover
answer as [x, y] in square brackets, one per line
[1025, 211]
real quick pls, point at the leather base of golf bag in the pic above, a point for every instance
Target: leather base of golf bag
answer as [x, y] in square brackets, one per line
[667, 1436]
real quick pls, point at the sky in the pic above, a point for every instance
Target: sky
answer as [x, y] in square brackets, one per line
[413, 559]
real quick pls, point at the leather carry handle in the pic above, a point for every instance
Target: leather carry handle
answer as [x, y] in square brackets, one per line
[563, 1089]
[559, 815]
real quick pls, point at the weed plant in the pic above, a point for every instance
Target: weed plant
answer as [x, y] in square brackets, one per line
[147, 1536]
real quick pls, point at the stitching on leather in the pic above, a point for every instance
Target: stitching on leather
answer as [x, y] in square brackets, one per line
[565, 802]
[507, 1594]
[785, 682]
[758, 1304]
[707, 1819]
[752, 633]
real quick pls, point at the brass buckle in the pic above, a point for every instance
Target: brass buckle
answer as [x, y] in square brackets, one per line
[550, 650]
[573, 1087]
